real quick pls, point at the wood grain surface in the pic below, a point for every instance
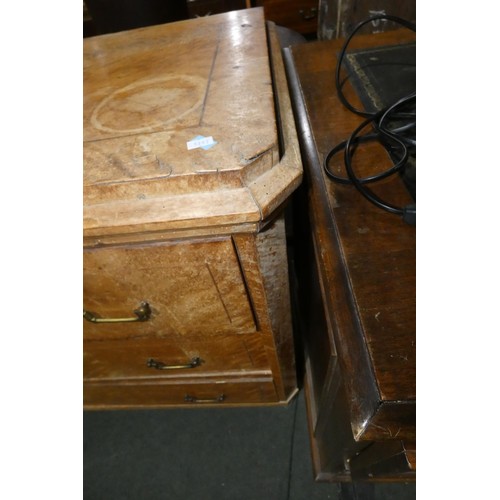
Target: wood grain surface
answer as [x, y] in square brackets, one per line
[198, 234]
[365, 263]
[149, 92]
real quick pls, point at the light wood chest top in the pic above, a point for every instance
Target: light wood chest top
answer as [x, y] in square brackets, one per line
[149, 92]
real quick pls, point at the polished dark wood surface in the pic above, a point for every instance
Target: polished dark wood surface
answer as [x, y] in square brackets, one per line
[364, 258]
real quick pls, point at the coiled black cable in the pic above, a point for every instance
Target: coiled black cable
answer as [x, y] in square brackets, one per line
[395, 19]
[394, 139]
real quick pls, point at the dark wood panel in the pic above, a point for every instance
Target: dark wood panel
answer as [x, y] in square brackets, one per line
[337, 18]
[366, 263]
[392, 419]
[109, 16]
[332, 442]
[297, 15]
[199, 8]
[352, 12]
[318, 340]
[374, 260]
[382, 459]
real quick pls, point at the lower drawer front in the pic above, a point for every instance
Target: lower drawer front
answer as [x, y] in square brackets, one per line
[171, 393]
[190, 357]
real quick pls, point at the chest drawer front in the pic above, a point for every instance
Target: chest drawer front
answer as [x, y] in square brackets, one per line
[189, 357]
[171, 393]
[191, 287]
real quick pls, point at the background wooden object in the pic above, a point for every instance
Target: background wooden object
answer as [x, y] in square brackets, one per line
[337, 18]
[297, 15]
[198, 8]
[358, 285]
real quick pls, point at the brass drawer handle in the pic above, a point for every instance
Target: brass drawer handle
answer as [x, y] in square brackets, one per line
[162, 366]
[194, 399]
[143, 313]
[308, 14]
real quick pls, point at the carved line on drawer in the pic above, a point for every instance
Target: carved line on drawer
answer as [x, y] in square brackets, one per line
[219, 294]
[248, 288]
[161, 235]
[167, 336]
[203, 378]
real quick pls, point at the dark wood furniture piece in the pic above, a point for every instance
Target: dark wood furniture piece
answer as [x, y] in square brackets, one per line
[186, 295]
[298, 15]
[337, 18]
[356, 271]
[111, 16]
[200, 8]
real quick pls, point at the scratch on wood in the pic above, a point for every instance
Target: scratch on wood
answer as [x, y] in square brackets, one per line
[219, 293]
[405, 358]
[208, 83]
[258, 155]
[249, 354]
[385, 430]
[178, 323]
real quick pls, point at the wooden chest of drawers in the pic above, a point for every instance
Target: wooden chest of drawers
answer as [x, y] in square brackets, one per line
[186, 297]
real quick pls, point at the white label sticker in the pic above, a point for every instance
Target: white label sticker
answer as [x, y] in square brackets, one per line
[201, 142]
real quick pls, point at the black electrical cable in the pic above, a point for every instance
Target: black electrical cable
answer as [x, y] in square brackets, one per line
[395, 134]
[345, 102]
[393, 139]
[366, 192]
[353, 140]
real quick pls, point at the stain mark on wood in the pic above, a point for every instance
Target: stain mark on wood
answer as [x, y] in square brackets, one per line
[156, 104]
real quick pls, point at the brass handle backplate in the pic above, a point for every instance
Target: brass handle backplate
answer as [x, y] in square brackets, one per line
[159, 365]
[194, 399]
[142, 313]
